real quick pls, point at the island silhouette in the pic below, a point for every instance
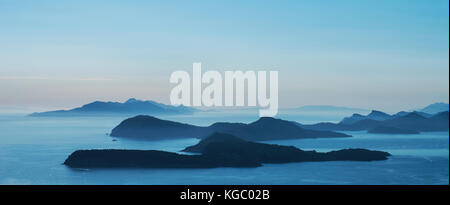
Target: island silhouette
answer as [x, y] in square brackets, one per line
[216, 150]
[131, 106]
[266, 128]
[433, 117]
[227, 144]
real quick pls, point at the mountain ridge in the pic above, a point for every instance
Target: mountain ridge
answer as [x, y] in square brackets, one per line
[265, 128]
[435, 108]
[405, 123]
[130, 106]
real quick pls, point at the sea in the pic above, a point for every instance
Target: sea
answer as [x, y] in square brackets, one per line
[33, 149]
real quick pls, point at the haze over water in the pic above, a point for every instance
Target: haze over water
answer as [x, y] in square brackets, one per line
[32, 151]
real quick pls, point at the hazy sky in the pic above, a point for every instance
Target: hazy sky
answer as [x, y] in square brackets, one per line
[387, 55]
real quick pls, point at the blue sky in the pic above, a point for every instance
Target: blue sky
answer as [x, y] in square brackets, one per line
[387, 55]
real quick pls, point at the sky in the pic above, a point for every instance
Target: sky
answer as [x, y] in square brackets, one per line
[379, 54]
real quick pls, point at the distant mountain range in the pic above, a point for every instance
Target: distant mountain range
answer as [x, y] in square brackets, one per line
[217, 150]
[378, 116]
[131, 106]
[380, 122]
[430, 109]
[266, 128]
[435, 108]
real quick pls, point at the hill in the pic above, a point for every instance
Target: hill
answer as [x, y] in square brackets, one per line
[436, 108]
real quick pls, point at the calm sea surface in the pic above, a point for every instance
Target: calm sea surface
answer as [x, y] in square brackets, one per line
[32, 151]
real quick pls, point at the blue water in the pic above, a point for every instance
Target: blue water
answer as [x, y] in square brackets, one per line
[32, 151]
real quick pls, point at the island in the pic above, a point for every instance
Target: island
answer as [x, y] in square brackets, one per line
[391, 130]
[131, 106]
[217, 150]
[266, 128]
[378, 122]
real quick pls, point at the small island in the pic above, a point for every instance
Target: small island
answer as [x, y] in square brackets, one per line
[217, 150]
